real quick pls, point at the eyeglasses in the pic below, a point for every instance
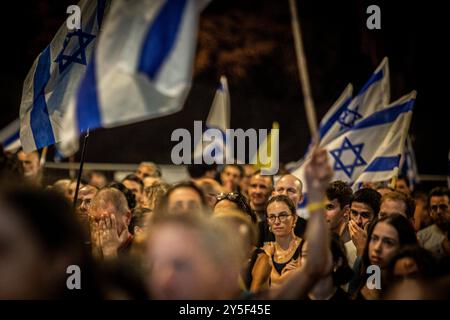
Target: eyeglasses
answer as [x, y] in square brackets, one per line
[283, 217]
[233, 196]
[442, 207]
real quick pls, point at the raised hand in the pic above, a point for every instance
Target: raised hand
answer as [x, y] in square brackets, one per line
[318, 174]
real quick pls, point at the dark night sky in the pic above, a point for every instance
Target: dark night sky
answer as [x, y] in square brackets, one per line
[250, 42]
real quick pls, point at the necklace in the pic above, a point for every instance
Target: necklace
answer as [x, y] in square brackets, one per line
[283, 256]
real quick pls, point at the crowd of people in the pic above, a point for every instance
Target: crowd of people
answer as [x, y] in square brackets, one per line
[229, 232]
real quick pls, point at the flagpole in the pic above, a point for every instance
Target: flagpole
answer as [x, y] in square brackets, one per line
[80, 171]
[303, 71]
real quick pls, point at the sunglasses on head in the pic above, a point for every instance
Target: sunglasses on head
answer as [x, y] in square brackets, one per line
[229, 196]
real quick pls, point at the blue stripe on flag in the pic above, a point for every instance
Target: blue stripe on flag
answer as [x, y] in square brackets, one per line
[385, 116]
[87, 109]
[161, 37]
[333, 119]
[11, 139]
[374, 78]
[39, 117]
[383, 164]
[100, 12]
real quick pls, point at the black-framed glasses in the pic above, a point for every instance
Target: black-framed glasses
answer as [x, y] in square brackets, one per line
[442, 207]
[282, 217]
[233, 196]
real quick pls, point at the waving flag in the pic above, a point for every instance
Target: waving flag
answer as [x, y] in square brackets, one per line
[374, 96]
[218, 118]
[371, 150]
[10, 136]
[55, 76]
[142, 67]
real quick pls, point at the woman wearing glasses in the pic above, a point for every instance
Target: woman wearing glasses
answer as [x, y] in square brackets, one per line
[284, 252]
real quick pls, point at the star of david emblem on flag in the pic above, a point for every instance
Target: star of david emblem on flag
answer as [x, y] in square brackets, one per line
[77, 41]
[343, 159]
[348, 118]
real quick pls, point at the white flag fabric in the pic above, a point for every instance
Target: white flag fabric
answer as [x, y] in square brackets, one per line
[218, 118]
[371, 150]
[374, 96]
[142, 66]
[10, 136]
[54, 77]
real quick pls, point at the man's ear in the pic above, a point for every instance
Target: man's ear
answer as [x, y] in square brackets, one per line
[300, 200]
[127, 217]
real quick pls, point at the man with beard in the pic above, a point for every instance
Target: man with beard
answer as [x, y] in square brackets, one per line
[432, 237]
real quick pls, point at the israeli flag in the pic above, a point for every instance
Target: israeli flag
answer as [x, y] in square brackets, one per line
[347, 111]
[10, 136]
[371, 150]
[142, 67]
[345, 114]
[218, 118]
[54, 77]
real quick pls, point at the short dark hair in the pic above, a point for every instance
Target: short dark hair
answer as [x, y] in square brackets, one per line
[199, 170]
[340, 191]
[235, 165]
[258, 173]
[404, 178]
[439, 192]
[285, 199]
[369, 197]
[135, 178]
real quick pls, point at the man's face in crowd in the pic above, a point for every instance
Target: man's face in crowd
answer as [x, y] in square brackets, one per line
[289, 186]
[85, 196]
[30, 163]
[440, 209]
[98, 180]
[402, 186]
[335, 214]
[180, 270]
[245, 181]
[134, 187]
[391, 206]
[259, 190]
[230, 177]
[184, 200]
[144, 171]
[361, 213]
[107, 209]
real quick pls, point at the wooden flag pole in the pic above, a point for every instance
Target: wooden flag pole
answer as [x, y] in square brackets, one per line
[303, 71]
